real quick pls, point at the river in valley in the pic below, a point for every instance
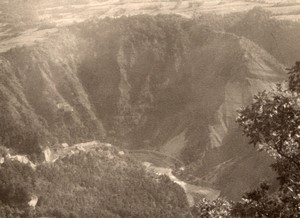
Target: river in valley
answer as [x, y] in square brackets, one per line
[189, 189]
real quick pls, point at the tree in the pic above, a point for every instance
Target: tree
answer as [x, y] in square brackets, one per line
[17, 182]
[272, 122]
[212, 209]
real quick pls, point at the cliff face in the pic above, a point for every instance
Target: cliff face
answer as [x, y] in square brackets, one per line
[162, 83]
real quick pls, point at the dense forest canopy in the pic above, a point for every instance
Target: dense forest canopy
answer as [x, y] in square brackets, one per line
[101, 183]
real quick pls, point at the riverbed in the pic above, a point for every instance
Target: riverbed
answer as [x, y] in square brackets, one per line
[190, 190]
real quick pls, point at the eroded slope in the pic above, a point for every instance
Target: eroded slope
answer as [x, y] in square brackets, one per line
[163, 83]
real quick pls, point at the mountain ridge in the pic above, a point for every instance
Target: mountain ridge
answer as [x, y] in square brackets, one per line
[140, 82]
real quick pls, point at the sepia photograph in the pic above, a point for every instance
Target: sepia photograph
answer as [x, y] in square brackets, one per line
[149, 108]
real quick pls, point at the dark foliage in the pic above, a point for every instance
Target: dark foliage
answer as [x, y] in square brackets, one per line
[89, 184]
[272, 123]
[17, 184]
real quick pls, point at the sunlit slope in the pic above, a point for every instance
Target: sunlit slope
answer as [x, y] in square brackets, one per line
[279, 38]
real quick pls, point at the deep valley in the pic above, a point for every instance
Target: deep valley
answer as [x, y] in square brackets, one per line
[161, 90]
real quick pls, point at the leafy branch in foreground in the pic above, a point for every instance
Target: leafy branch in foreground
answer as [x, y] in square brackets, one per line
[272, 122]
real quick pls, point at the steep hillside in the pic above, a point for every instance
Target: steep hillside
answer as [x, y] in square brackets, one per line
[161, 83]
[279, 38]
[42, 99]
[101, 182]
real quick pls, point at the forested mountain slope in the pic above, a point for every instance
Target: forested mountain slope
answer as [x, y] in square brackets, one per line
[104, 182]
[154, 82]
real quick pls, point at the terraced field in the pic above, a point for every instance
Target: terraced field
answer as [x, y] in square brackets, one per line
[115, 8]
[46, 17]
